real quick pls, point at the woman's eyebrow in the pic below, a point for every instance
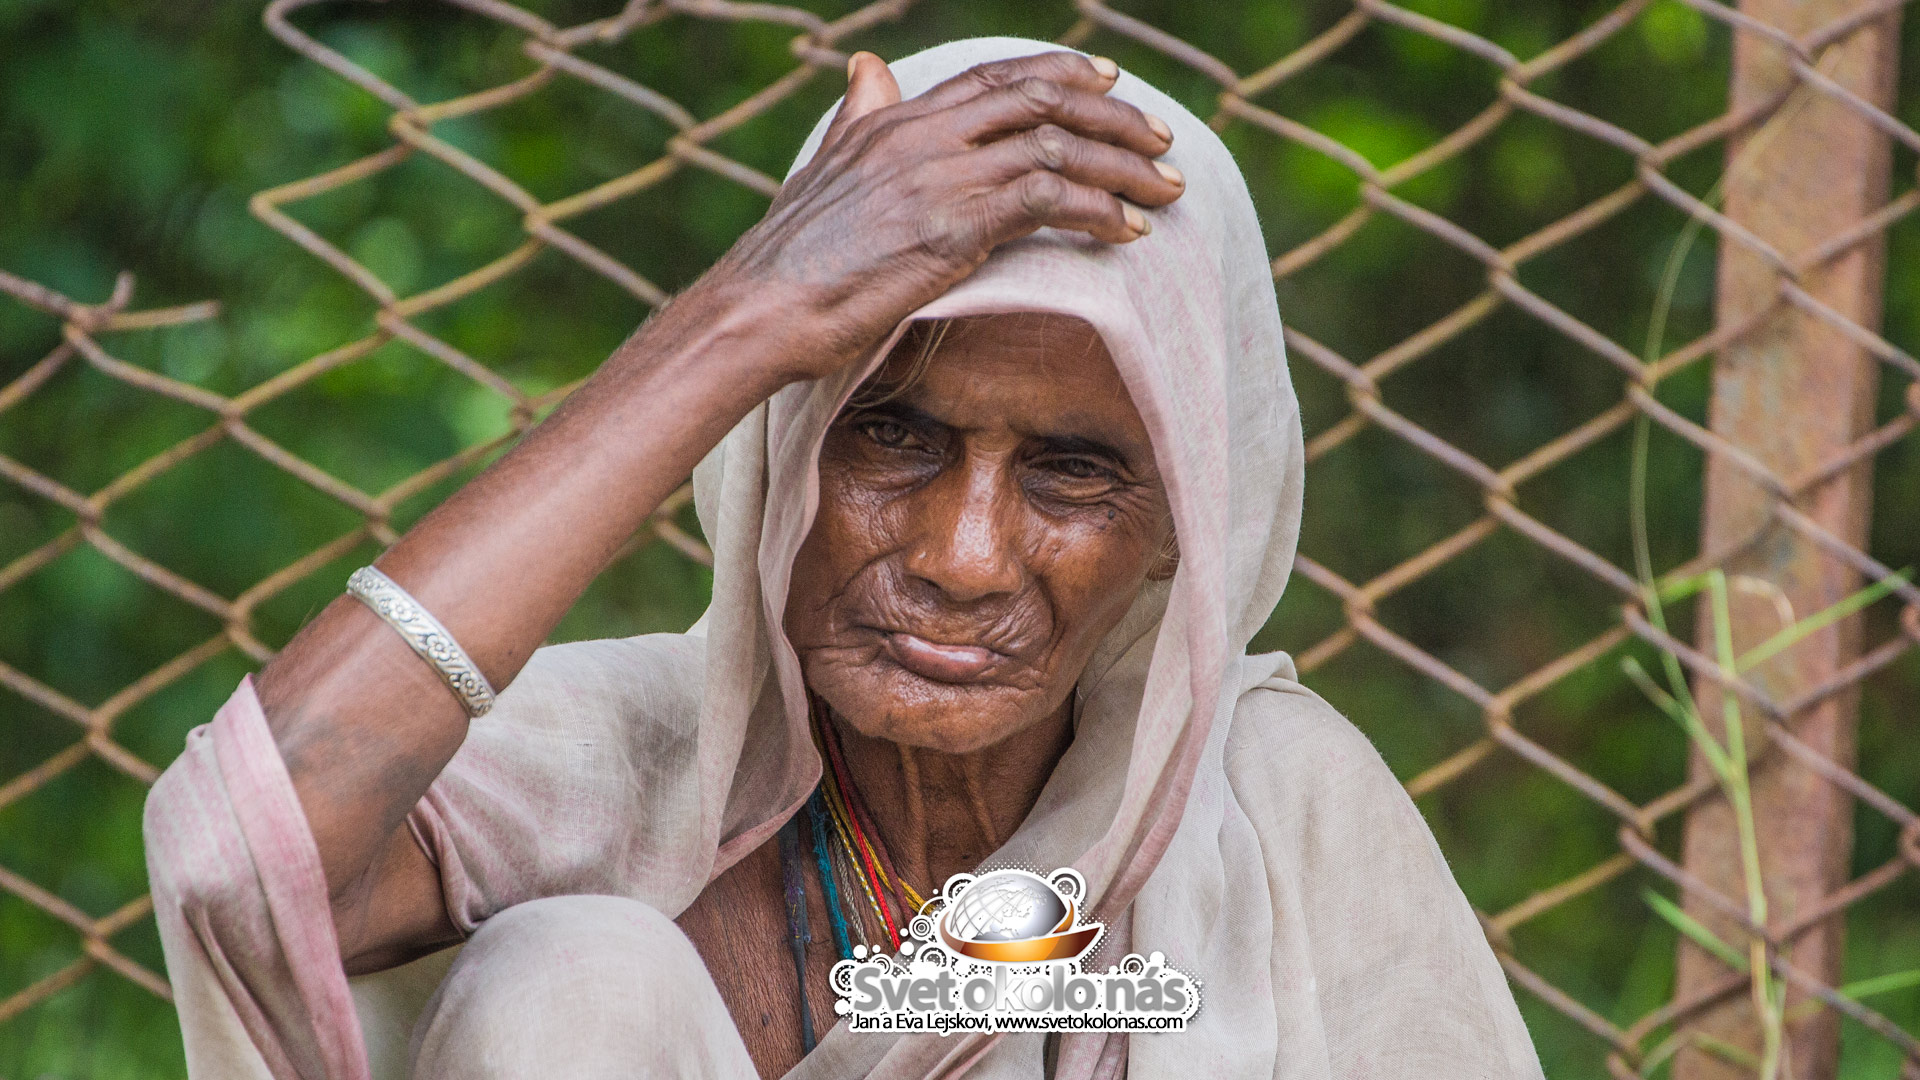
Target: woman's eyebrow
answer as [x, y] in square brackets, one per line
[915, 418]
[897, 411]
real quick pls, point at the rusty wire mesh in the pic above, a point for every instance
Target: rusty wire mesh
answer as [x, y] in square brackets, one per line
[818, 45]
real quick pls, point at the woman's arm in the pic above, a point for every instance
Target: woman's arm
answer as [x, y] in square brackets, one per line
[903, 200]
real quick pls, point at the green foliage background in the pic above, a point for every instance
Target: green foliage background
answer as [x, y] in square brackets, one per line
[132, 134]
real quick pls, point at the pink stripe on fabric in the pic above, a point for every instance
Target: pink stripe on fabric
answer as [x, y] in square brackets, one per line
[291, 879]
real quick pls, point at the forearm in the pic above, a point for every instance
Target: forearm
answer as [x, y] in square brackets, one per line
[362, 722]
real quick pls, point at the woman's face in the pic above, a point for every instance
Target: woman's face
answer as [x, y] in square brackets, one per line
[978, 534]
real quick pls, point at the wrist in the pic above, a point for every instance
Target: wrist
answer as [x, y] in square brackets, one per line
[737, 326]
[715, 331]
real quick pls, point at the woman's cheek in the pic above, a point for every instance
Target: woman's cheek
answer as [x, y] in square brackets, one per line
[826, 564]
[848, 527]
[1102, 550]
[861, 505]
[1092, 573]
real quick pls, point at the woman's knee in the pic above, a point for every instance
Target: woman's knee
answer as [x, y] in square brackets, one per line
[578, 986]
[567, 934]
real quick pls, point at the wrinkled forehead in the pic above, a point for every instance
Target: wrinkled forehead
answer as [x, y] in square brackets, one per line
[1041, 335]
[1011, 375]
[1041, 351]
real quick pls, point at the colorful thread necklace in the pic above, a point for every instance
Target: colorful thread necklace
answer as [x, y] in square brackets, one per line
[847, 852]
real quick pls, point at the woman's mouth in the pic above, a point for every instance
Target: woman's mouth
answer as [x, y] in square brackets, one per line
[937, 661]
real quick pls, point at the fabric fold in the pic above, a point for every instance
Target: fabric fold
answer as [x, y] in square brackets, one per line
[245, 919]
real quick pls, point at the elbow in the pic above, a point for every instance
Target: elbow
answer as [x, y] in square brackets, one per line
[197, 859]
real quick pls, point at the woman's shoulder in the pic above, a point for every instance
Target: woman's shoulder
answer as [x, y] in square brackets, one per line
[1330, 814]
[1291, 751]
[1280, 721]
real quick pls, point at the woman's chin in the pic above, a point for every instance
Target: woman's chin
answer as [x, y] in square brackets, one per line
[887, 701]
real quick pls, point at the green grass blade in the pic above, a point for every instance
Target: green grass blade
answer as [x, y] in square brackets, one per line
[1680, 714]
[1682, 588]
[1818, 621]
[1881, 984]
[1691, 927]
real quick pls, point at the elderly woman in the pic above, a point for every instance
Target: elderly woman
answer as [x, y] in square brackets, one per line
[1001, 469]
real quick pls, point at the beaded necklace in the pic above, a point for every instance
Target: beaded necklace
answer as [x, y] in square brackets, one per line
[847, 851]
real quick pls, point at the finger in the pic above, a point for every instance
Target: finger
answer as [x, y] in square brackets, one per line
[870, 88]
[1084, 161]
[1031, 102]
[1094, 74]
[1042, 198]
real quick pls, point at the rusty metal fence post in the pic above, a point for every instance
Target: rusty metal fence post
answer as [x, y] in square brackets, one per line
[1793, 390]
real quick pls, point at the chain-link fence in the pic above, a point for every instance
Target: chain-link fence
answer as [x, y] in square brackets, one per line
[1789, 178]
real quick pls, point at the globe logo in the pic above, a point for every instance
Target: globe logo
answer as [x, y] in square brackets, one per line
[1007, 906]
[1014, 916]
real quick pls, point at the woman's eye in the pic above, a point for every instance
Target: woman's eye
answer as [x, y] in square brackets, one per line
[886, 433]
[1082, 469]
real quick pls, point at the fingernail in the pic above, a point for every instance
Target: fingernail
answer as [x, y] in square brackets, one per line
[852, 62]
[1136, 220]
[1159, 127]
[1107, 68]
[1170, 174]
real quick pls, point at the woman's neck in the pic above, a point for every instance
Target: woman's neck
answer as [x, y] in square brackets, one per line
[940, 814]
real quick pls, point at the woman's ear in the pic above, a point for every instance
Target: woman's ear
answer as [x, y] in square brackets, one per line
[1166, 560]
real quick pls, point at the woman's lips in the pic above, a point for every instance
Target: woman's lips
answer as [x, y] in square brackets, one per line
[937, 661]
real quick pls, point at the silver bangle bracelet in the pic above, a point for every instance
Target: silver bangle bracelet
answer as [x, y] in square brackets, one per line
[425, 634]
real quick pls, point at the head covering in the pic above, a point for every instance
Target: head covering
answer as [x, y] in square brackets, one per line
[1189, 317]
[1220, 813]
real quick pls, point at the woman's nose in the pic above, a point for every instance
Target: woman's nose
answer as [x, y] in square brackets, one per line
[965, 545]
